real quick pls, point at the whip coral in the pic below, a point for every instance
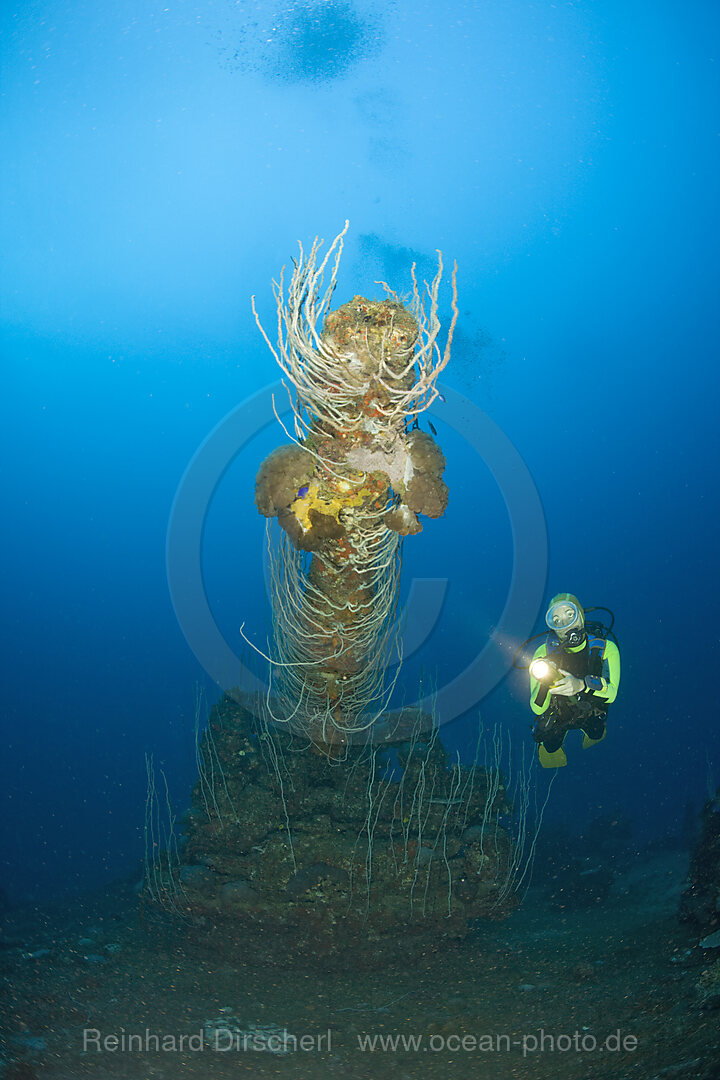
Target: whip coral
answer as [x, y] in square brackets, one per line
[353, 482]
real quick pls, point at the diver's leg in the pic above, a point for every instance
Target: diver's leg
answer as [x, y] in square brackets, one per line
[549, 738]
[594, 730]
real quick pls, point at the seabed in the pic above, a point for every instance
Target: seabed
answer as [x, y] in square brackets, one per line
[621, 968]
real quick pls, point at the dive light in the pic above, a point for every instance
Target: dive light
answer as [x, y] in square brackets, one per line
[544, 672]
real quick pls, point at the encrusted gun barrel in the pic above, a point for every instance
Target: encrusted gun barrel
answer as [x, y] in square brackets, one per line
[357, 478]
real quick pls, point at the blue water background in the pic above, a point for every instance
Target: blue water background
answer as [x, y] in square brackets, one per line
[160, 165]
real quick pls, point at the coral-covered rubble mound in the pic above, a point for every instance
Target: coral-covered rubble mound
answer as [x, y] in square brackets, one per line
[391, 845]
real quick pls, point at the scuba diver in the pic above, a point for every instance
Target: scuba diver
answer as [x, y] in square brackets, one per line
[574, 677]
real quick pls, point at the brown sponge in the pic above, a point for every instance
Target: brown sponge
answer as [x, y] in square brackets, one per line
[426, 492]
[280, 476]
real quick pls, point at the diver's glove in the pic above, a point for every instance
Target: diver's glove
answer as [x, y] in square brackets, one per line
[569, 686]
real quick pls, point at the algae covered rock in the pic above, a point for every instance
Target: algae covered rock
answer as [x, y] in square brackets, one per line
[392, 846]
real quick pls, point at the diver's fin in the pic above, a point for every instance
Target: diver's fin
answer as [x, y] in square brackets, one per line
[552, 760]
[588, 742]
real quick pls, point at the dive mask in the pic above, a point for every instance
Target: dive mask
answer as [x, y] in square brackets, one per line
[566, 620]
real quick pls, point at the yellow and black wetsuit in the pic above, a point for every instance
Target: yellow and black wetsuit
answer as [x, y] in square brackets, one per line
[597, 662]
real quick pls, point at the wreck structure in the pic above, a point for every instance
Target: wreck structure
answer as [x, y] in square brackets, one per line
[356, 478]
[287, 853]
[322, 821]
